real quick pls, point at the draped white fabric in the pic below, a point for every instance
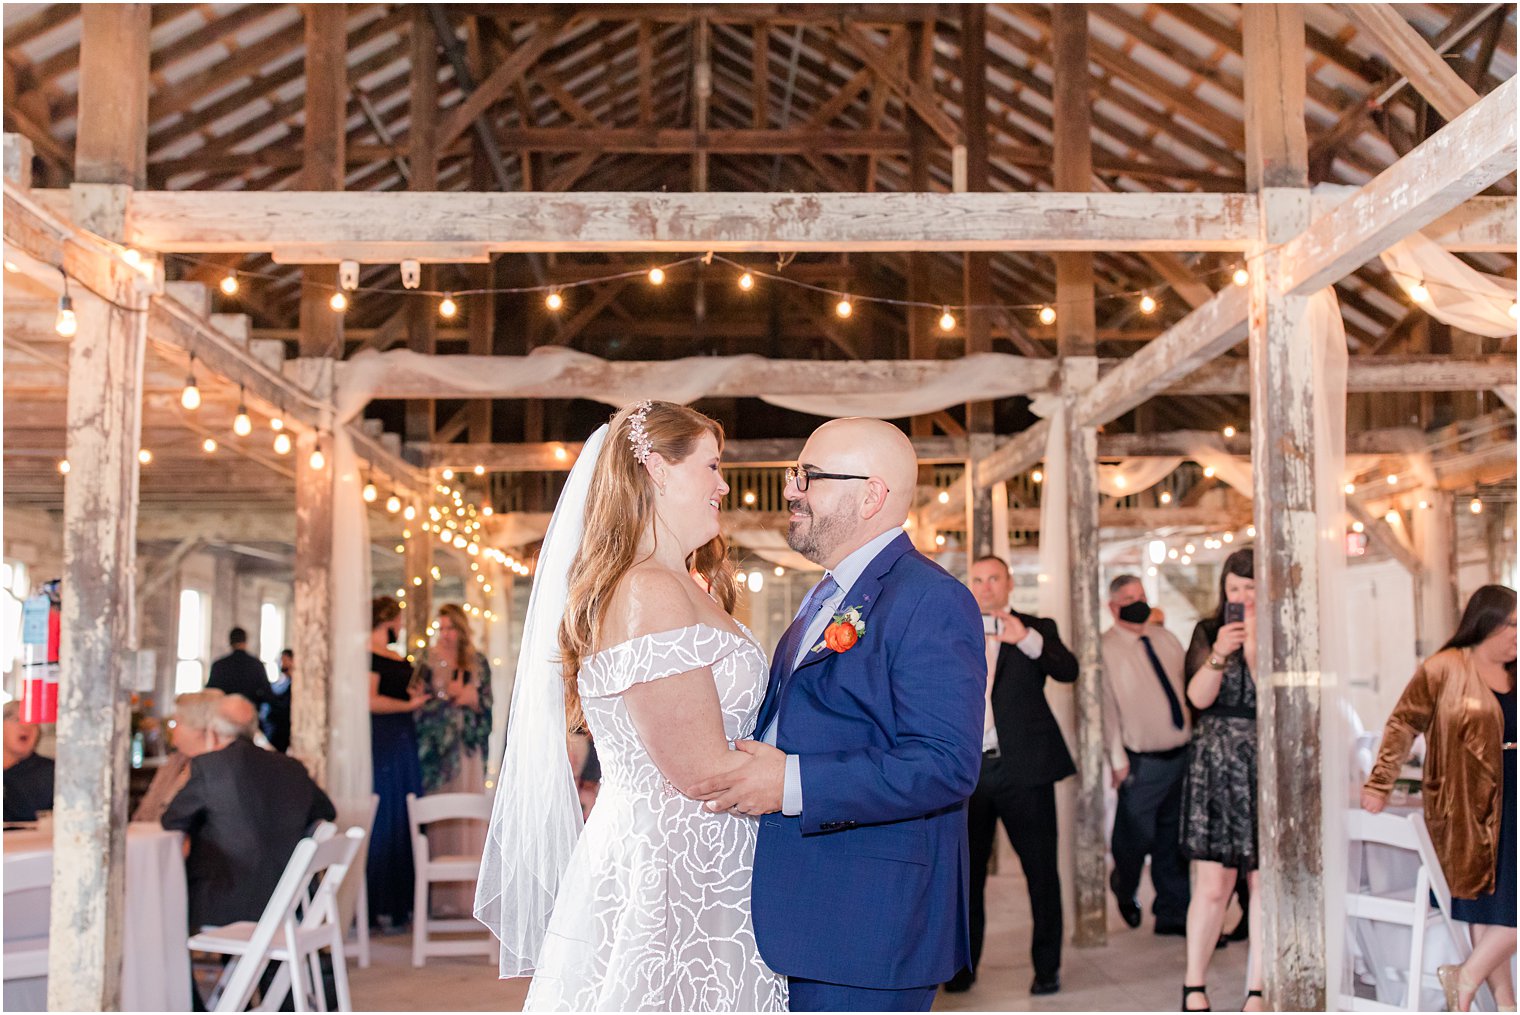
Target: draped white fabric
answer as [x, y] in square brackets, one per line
[770, 545]
[1460, 295]
[981, 377]
[1132, 475]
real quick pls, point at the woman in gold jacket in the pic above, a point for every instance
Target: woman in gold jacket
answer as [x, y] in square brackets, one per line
[1463, 700]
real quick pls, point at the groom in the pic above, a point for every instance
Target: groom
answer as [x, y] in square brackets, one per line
[870, 743]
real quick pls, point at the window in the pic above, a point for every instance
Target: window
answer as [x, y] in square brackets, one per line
[190, 667]
[271, 638]
[16, 585]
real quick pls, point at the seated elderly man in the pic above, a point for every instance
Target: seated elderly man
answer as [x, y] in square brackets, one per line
[190, 737]
[28, 775]
[243, 810]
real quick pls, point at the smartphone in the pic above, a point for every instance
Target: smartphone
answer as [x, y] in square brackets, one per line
[992, 626]
[1234, 613]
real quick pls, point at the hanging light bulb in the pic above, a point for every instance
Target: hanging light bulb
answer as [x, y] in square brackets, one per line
[1419, 293]
[1391, 517]
[946, 320]
[944, 496]
[1475, 506]
[1208, 472]
[1514, 311]
[448, 474]
[209, 445]
[1228, 432]
[339, 302]
[63, 466]
[746, 281]
[1228, 537]
[1047, 315]
[370, 493]
[844, 308]
[1147, 304]
[145, 456]
[1350, 489]
[66, 324]
[282, 443]
[554, 300]
[656, 276]
[480, 470]
[317, 459]
[487, 511]
[447, 308]
[1393, 480]
[1241, 277]
[1166, 497]
[241, 424]
[409, 512]
[190, 397]
[229, 285]
[393, 503]
[1250, 532]
[1037, 476]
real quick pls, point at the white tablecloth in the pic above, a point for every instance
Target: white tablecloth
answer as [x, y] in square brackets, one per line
[155, 973]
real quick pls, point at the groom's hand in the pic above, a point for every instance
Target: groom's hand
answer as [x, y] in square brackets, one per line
[754, 787]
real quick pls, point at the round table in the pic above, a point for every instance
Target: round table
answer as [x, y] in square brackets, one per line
[155, 973]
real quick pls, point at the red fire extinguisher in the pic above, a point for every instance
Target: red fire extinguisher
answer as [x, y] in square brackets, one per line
[41, 623]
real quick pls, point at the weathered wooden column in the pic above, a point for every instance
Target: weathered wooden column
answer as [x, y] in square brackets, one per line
[1434, 545]
[321, 336]
[422, 158]
[1287, 662]
[1076, 333]
[104, 419]
[977, 273]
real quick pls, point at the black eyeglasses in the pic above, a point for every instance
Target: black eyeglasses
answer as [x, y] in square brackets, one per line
[802, 477]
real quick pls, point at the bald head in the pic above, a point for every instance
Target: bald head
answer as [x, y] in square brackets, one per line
[834, 517]
[236, 717]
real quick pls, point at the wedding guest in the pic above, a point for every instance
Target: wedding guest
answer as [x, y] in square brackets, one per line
[393, 699]
[1463, 700]
[238, 672]
[190, 737]
[453, 734]
[1147, 731]
[28, 775]
[1219, 790]
[277, 713]
[1023, 757]
[243, 810]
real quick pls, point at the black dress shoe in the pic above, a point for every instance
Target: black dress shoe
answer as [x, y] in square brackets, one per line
[960, 982]
[1040, 986]
[1171, 929]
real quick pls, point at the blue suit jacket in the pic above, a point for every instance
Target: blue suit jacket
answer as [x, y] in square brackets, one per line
[868, 886]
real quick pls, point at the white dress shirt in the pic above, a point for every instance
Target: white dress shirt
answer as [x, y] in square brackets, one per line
[1032, 644]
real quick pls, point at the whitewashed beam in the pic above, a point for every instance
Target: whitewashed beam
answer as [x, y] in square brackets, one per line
[1478, 225]
[557, 456]
[1415, 58]
[390, 223]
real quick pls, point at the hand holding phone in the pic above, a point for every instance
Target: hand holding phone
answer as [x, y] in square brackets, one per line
[1234, 613]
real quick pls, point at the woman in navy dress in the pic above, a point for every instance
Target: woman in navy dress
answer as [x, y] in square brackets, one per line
[393, 700]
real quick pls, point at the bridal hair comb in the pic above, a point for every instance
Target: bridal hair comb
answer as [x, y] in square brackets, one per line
[642, 443]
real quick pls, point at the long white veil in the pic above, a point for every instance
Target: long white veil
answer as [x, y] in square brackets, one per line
[537, 815]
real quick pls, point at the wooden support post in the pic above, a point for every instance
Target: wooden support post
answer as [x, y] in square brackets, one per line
[99, 575]
[1287, 664]
[976, 271]
[324, 163]
[113, 96]
[312, 635]
[422, 330]
[1434, 546]
[921, 341]
[1076, 331]
[482, 329]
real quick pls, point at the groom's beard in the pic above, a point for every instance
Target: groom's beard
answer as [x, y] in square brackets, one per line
[820, 536]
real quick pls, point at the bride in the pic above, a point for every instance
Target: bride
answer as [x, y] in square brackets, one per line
[629, 628]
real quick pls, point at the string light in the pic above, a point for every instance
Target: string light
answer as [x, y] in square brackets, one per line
[487, 511]
[1037, 476]
[946, 320]
[447, 474]
[338, 302]
[145, 456]
[229, 284]
[1250, 532]
[132, 257]
[447, 308]
[190, 398]
[63, 466]
[209, 445]
[1208, 472]
[939, 540]
[409, 512]
[1514, 311]
[370, 493]
[944, 496]
[844, 308]
[1475, 506]
[276, 424]
[1241, 277]
[1047, 315]
[1228, 432]
[317, 459]
[746, 281]
[241, 424]
[66, 324]
[393, 503]
[282, 443]
[1391, 517]
[1166, 497]
[554, 300]
[656, 276]
[749, 497]
[1228, 537]
[1350, 489]
[480, 470]
[1147, 304]
[560, 454]
[1419, 293]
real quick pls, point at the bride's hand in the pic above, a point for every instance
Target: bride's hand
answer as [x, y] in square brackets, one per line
[753, 787]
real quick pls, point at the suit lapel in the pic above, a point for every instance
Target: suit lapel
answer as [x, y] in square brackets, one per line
[863, 595]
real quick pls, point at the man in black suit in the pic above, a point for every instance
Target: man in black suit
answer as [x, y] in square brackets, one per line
[243, 809]
[1023, 757]
[237, 672]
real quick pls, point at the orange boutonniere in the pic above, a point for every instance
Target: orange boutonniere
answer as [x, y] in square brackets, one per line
[843, 631]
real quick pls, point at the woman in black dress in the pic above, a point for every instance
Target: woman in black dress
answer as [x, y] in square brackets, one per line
[1219, 790]
[393, 752]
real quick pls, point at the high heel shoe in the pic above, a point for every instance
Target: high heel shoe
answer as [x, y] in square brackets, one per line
[1253, 993]
[1204, 990]
[1452, 985]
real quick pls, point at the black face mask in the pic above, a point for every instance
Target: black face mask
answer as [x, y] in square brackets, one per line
[1137, 612]
[390, 635]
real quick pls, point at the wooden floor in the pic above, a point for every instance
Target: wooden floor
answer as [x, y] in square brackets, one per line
[1137, 971]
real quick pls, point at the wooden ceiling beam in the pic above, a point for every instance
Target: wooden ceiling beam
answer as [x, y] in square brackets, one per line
[1415, 58]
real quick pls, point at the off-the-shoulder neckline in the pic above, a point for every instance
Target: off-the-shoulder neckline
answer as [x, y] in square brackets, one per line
[743, 634]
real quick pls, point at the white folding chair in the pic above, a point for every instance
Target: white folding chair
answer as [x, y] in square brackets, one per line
[28, 957]
[353, 894]
[1461, 937]
[299, 921]
[423, 811]
[1368, 904]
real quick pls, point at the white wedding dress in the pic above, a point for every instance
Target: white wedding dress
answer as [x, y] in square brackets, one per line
[653, 911]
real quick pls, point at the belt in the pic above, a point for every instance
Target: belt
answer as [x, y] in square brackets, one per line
[1165, 755]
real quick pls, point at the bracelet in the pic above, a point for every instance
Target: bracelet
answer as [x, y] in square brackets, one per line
[1215, 663]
